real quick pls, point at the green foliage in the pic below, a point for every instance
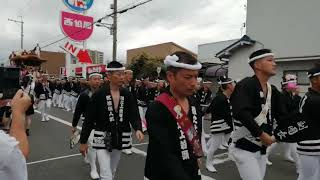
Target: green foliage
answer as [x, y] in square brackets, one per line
[143, 65]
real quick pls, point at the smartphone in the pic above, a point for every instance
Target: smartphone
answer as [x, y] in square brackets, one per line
[9, 82]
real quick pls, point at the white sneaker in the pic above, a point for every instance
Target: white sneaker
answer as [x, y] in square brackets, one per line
[43, 120]
[94, 174]
[289, 158]
[211, 168]
[47, 118]
[86, 160]
[222, 147]
[127, 151]
[269, 163]
[207, 136]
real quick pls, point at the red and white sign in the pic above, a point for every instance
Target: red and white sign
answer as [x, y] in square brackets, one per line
[78, 70]
[81, 54]
[96, 69]
[77, 27]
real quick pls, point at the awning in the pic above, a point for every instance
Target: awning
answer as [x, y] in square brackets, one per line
[227, 52]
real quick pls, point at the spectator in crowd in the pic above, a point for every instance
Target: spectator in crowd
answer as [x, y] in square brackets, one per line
[14, 148]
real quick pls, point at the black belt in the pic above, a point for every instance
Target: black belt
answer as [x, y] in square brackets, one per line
[245, 144]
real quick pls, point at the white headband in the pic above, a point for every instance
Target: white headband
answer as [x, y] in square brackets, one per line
[228, 82]
[95, 74]
[172, 61]
[289, 82]
[116, 69]
[259, 57]
[315, 74]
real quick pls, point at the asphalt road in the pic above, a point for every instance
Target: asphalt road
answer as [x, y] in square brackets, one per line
[52, 159]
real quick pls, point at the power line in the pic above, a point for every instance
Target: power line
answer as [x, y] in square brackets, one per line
[98, 21]
[24, 8]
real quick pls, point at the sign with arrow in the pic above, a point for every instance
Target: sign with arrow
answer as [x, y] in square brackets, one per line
[81, 54]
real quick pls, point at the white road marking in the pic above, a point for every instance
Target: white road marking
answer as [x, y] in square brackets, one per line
[203, 177]
[138, 151]
[52, 159]
[140, 144]
[135, 150]
[59, 120]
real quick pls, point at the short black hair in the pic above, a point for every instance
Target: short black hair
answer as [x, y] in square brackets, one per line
[258, 53]
[185, 58]
[314, 70]
[114, 64]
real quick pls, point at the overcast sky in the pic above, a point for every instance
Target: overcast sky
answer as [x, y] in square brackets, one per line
[185, 22]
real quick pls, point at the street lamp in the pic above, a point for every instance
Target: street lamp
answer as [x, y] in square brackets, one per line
[106, 25]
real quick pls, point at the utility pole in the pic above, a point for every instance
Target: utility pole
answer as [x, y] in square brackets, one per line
[114, 27]
[114, 30]
[21, 23]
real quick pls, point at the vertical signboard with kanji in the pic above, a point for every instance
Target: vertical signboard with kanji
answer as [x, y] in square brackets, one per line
[77, 27]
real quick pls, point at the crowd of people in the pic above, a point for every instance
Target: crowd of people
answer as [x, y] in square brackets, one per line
[249, 117]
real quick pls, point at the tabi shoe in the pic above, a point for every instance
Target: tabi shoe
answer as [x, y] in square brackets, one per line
[269, 163]
[94, 174]
[210, 168]
[288, 158]
[222, 147]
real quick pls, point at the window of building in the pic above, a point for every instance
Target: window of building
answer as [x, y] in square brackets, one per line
[302, 76]
[73, 60]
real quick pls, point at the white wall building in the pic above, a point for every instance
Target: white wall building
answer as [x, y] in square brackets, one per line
[289, 28]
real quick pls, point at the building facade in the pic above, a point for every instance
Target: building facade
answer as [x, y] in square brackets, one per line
[96, 56]
[207, 52]
[54, 60]
[286, 27]
[159, 51]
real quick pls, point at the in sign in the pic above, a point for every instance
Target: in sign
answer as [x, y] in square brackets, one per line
[81, 54]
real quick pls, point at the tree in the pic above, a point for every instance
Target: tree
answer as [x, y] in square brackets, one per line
[143, 65]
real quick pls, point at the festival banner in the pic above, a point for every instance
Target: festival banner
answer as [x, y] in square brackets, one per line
[96, 69]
